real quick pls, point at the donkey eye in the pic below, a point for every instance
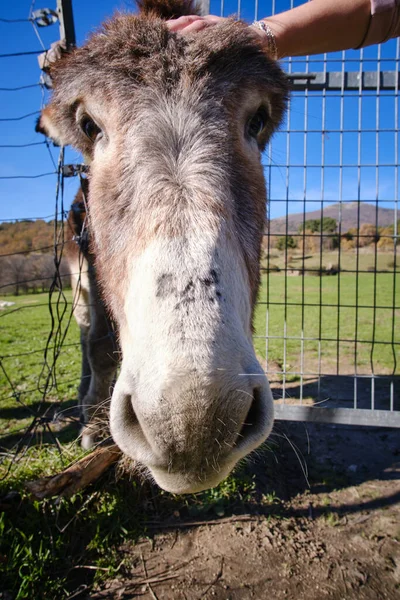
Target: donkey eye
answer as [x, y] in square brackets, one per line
[257, 122]
[89, 128]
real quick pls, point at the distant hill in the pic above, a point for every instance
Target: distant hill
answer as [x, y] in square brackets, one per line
[349, 217]
[38, 236]
[26, 236]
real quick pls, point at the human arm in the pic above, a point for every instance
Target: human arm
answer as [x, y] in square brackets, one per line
[319, 26]
[330, 25]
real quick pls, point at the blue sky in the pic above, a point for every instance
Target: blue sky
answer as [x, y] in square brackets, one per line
[376, 177]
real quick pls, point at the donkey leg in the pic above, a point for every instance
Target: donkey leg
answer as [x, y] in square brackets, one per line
[86, 372]
[101, 348]
[81, 295]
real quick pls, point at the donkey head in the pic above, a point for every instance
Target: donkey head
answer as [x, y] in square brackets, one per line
[173, 128]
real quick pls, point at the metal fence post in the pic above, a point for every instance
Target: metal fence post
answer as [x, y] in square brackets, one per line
[66, 20]
[204, 7]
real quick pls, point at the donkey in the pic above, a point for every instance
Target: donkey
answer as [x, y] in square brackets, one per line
[173, 128]
[98, 343]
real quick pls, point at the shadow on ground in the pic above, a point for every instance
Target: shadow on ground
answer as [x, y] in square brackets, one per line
[338, 391]
[313, 506]
[45, 421]
[299, 460]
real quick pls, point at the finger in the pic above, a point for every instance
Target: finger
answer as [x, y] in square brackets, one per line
[194, 27]
[213, 19]
[182, 22]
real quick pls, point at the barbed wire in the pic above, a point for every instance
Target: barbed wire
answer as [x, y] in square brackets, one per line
[28, 176]
[2, 20]
[26, 53]
[41, 350]
[21, 87]
[47, 376]
[32, 390]
[21, 219]
[59, 306]
[29, 251]
[5, 285]
[7, 119]
[22, 145]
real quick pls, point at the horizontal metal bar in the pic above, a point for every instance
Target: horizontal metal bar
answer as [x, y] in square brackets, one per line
[345, 80]
[343, 130]
[355, 376]
[324, 305]
[335, 165]
[338, 416]
[327, 59]
[342, 94]
[342, 201]
[325, 234]
[323, 339]
[287, 273]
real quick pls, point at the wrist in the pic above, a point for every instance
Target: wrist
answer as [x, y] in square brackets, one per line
[263, 29]
[279, 32]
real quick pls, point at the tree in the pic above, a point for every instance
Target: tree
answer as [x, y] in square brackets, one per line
[286, 241]
[386, 237]
[368, 234]
[14, 273]
[327, 224]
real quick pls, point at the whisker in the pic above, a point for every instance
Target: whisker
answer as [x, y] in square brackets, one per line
[298, 453]
[244, 392]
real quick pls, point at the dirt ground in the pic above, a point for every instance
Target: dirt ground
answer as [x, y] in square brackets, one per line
[337, 539]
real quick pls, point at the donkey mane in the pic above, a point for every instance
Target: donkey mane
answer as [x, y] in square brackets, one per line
[168, 9]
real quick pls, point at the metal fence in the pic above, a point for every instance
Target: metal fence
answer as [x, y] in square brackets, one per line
[329, 302]
[326, 318]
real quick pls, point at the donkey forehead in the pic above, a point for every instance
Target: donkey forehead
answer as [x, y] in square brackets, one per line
[129, 52]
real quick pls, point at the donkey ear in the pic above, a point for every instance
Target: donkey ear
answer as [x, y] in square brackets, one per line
[47, 125]
[168, 9]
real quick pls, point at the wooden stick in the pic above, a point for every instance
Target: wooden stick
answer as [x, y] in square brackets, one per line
[234, 519]
[152, 592]
[77, 476]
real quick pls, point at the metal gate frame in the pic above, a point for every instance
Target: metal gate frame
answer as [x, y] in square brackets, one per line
[319, 77]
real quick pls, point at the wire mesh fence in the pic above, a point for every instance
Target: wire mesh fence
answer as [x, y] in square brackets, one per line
[329, 302]
[38, 377]
[326, 321]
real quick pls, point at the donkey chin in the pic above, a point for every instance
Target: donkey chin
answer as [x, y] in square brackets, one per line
[187, 454]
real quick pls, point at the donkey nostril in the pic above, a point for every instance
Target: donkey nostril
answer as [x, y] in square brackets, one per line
[129, 413]
[254, 421]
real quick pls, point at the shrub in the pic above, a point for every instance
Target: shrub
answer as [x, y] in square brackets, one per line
[286, 241]
[317, 272]
[272, 267]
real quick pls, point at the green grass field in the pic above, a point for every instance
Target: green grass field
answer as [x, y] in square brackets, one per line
[46, 547]
[44, 544]
[349, 261]
[25, 328]
[329, 322]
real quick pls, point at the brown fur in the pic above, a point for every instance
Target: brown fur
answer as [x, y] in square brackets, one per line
[170, 9]
[177, 195]
[76, 224]
[129, 54]
[98, 345]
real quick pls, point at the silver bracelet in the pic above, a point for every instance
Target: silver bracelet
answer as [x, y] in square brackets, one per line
[272, 47]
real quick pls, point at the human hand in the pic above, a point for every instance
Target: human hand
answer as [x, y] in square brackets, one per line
[193, 23]
[56, 50]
